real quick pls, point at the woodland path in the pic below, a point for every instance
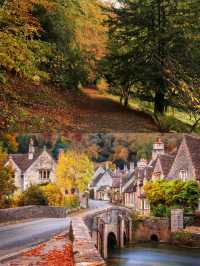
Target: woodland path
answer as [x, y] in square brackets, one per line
[45, 108]
[97, 113]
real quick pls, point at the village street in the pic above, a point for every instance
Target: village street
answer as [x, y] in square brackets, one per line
[16, 237]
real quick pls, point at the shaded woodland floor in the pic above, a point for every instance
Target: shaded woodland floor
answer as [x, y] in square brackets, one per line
[36, 108]
[103, 114]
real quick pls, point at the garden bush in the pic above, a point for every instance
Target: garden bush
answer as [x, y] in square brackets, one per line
[52, 194]
[171, 124]
[45, 194]
[161, 211]
[33, 196]
[182, 237]
[167, 194]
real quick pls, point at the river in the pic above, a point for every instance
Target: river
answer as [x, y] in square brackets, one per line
[154, 255]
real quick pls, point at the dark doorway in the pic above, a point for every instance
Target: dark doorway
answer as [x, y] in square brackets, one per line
[92, 194]
[112, 241]
[154, 238]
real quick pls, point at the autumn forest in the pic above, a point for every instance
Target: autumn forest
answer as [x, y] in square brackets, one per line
[64, 63]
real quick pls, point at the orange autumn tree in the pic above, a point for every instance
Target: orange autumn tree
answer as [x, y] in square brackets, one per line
[91, 33]
[7, 186]
[22, 52]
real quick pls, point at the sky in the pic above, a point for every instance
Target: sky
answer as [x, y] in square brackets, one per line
[111, 1]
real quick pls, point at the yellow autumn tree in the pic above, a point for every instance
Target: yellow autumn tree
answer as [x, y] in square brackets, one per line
[74, 171]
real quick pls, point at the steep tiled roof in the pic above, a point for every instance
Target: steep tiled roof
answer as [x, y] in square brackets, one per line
[22, 161]
[131, 188]
[139, 174]
[97, 179]
[166, 161]
[146, 172]
[193, 144]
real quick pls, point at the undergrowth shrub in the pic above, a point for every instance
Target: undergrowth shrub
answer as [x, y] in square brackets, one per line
[171, 124]
[52, 194]
[71, 201]
[32, 196]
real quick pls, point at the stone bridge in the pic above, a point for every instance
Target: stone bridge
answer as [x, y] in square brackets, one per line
[109, 228]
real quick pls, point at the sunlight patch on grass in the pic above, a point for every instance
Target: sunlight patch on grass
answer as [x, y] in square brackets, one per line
[139, 105]
[148, 108]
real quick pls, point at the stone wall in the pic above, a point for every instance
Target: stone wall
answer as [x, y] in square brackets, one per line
[176, 220]
[152, 226]
[29, 212]
[85, 252]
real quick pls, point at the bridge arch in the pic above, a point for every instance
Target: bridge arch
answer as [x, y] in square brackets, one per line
[111, 228]
[154, 237]
[111, 241]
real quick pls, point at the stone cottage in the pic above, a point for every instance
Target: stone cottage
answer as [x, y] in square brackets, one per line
[184, 165]
[107, 184]
[158, 167]
[101, 184]
[120, 178]
[32, 168]
[133, 190]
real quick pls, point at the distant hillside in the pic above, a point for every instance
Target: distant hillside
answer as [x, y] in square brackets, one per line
[115, 147]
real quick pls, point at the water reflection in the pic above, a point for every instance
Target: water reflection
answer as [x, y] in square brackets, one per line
[154, 255]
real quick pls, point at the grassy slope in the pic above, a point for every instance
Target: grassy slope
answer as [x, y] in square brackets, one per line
[39, 108]
[178, 120]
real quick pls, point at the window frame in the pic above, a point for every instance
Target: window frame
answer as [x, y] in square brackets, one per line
[183, 174]
[44, 174]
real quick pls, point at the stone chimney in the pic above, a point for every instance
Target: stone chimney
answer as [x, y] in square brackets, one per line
[107, 165]
[31, 150]
[60, 153]
[142, 163]
[131, 167]
[125, 168]
[158, 148]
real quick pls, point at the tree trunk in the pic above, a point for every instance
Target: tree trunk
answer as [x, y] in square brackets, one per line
[126, 101]
[193, 127]
[159, 103]
[121, 99]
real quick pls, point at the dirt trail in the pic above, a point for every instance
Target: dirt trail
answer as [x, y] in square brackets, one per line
[45, 108]
[96, 113]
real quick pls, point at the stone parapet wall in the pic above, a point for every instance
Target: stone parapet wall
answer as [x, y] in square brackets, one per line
[152, 226]
[85, 252]
[88, 219]
[29, 212]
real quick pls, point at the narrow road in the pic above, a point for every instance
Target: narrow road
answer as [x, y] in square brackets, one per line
[16, 237]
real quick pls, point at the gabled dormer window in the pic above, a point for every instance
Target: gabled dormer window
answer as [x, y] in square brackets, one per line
[183, 174]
